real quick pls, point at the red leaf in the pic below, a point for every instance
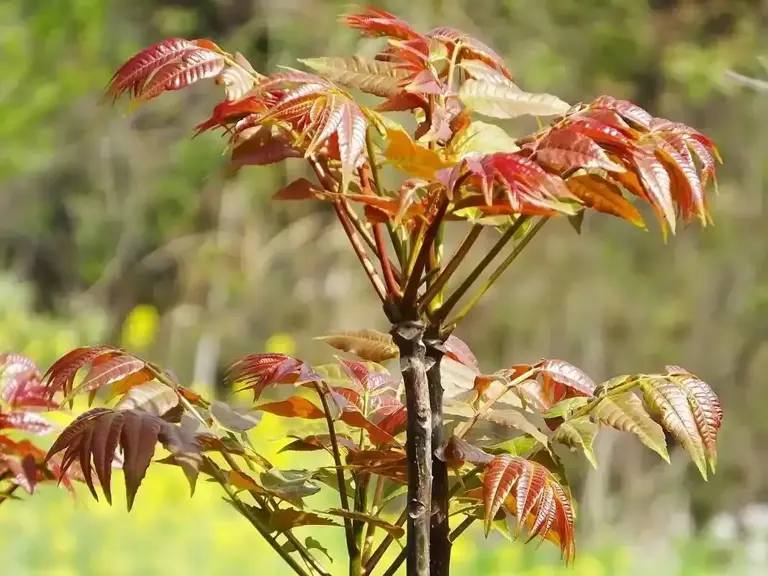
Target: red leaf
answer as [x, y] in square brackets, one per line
[26, 422]
[626, 109]
[375, 22]
[557, 373]
[459, 351]
[259, 371]
[299, 189]
[111, 370]
[61, 375]
[192, 66]
[471, 48]
[132, 75]
[530, 492]
[566, 149]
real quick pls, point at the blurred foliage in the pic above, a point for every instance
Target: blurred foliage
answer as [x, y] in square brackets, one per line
[119, 229]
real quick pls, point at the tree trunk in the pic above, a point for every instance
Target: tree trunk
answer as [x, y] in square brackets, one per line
[408, 335]
[440, 544]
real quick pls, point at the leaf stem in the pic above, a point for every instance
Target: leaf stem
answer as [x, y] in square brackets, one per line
[467, 426]
[385, 544]
[395, 566]
[349, 533]
[451, 267]
[519, 247]
[162, 377]
[446, 308]
[370, 532]
[414, 277]
[376, 175]
[459, 530]
[254, 520]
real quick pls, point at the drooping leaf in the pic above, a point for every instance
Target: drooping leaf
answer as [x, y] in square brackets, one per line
[375, 22]
[318, 442]
[290, 484]
[61, 375]
[234, 419]
[625, 412]
[98, 432]
[389, 528]
[459, 351]
[530, 492]
[579, 432]
[293, 407]
[457, 452]
[565, 379]
[470, 49]
[191, 67]
[505, 101]
[690, 411]
[366, 344]
[603, 196]
[113, 369]
[285, 519]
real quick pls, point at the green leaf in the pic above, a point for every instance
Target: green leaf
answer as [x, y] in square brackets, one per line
[625, 412]
[508, 101]
[579, 432]
[516, 446]
[290, 483]
[563, 408]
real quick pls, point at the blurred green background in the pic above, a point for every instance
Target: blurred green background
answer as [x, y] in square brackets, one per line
[119, 229]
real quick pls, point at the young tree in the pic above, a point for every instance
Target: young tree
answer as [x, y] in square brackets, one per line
[442, 442]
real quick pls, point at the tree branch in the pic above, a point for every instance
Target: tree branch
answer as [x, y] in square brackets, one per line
[444, 276]
[408, 336]
[446, 308]
[348, 532]
[498, 272]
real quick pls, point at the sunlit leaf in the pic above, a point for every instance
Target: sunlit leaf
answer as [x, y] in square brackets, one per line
[411, 157]
[366, 344]
[504, 101]
[579, 432]
[153, 397]
[625, 412]
[293, 407]
[529, 491]
[603, 196]
[372, 76]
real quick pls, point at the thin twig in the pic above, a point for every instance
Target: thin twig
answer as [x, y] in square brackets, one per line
[467, 426]
[414, 278]
[395, 566]
[385, 544]
[459, 530]
[446, 308]
[519, 247]
[349, 533]
[451, 267]
[254, 520]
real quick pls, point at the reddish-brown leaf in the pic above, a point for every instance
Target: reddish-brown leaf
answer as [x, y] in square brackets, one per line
[293, 407]
[318, 442]
[530, 492]
[459, 351]
[299, 189]
[375, 22]
[557, 373]
[132, 75]
[110, 371]
[258, 371]
[604, 196]
[26, 422]
[191, 67]
[96, 435]
[629, 111]
[470, 48]
[61, 375]
[366, 344]
[568, 149]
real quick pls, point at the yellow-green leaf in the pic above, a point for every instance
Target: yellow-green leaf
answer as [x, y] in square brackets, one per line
[579, 432]
[625, 412]
[508, 101]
